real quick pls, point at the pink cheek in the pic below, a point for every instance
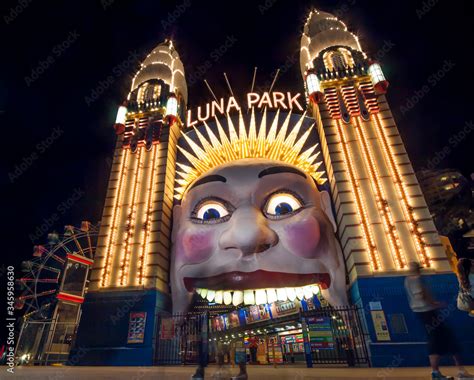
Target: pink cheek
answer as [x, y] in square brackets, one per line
[302, 237]
[195, 247]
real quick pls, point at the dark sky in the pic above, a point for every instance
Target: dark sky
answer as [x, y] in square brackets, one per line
[48, 118]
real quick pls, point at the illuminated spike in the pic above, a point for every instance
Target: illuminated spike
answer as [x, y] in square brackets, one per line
[272, 133]
[280, 143]
[232, 133]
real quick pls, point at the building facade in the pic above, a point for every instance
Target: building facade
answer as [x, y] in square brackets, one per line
[160, 250]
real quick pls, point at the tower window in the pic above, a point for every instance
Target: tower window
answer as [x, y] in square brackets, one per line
[338, 61]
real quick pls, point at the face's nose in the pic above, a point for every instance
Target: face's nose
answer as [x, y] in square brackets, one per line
[248, 231]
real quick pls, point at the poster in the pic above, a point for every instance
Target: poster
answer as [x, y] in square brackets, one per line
[380, 325]
[281, 308]
[167, 328]
[136, 327]
[320, 333]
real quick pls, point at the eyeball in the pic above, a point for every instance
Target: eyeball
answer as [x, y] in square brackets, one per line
[211, 211]
[281, 204]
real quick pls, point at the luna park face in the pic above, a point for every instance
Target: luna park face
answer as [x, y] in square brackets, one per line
[252, 232]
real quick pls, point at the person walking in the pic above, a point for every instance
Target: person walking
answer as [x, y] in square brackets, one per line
[440, 338]
[465, 301]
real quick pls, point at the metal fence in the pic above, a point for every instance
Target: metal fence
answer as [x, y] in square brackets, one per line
[336, 336]
[180, 339]
[332, 336]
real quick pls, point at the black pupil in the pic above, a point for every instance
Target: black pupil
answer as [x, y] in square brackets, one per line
[211, 213]
[283, 208]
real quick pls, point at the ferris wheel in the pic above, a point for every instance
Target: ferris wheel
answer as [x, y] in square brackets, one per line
[58, 270]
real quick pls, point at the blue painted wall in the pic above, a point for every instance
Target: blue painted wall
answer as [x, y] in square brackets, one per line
[103, 329]
[409, 349]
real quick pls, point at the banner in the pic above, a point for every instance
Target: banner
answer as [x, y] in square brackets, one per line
[136, 327]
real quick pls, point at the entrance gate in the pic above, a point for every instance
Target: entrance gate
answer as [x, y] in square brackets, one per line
[332, 336]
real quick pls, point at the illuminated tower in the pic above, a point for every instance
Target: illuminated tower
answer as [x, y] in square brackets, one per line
[383, 220]
[129, 280]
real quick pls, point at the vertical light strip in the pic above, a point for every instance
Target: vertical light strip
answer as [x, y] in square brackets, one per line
[130, 227]
[116, 208]
[374, 258]
[142, 262]
[382, 203]
[403, 193]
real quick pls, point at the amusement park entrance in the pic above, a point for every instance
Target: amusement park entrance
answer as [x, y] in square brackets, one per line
[322, 336]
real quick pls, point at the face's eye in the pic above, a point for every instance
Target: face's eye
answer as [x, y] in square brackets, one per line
[211, 211]
[281, 204]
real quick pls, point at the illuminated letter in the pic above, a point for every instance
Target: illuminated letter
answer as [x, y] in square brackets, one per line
[265, 99]
[190, 124]
[279, 100]
[255, 97]
[220, 107]
[294, 100]
[200, 118]
[232, 104]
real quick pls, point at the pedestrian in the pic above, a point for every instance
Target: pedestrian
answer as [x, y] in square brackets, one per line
[465, 301]
[440, 338]
[253, 346]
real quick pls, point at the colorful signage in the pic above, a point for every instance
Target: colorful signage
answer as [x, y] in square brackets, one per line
[320, 333]
[136, 327]
[281, 100]
[380, 325]
[167, 328]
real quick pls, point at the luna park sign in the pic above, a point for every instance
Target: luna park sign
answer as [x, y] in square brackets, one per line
[286, 101]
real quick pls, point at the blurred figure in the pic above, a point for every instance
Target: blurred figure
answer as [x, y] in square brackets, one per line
[441, 341]
[465, 301]
[253, 347]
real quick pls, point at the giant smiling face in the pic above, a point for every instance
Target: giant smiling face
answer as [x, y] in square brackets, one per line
[251, 230]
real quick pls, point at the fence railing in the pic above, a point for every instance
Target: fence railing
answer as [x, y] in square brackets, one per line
[332, 336]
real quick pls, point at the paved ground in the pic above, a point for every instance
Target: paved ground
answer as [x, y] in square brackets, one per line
[178, 373]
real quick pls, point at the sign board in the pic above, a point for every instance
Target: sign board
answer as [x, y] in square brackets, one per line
[274, 100]
[380, 325]
[167, 328]
[136, 327]
[320, 333]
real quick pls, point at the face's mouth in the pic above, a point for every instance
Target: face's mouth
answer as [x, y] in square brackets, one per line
[258, 287]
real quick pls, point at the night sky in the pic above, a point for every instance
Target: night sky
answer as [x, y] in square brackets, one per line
[67, 65]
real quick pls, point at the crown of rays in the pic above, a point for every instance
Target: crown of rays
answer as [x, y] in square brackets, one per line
[270, 144]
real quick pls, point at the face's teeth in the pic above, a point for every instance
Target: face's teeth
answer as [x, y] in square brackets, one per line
[290, 292]
[260, 297]
[299, 293]
[281, 293]
[237, 298]
[227, 298]
[249, 298]
[198, 291]
[204, 293]
[210, 295]
[308, 293]
[218, 297]
[314, 289]
[271, 295]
